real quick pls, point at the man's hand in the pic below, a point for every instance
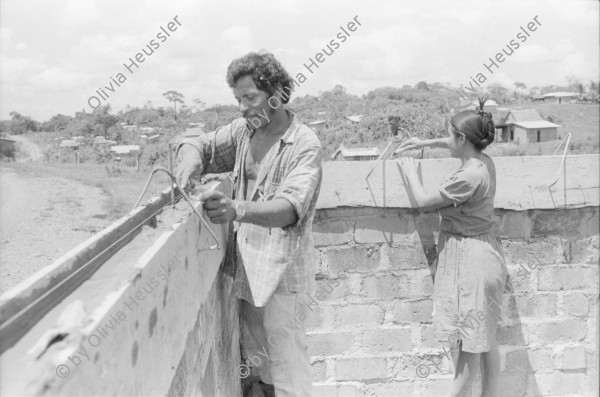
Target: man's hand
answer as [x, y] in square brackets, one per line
[219, 207]
[189, 163]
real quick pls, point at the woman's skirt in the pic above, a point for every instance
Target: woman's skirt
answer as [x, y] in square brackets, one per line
[469, 283]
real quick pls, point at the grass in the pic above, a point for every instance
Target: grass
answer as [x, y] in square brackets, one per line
[122, 190]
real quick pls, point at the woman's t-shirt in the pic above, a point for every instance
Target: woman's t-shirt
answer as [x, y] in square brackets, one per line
[472, 190]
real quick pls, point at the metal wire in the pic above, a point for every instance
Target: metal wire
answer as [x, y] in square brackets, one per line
[185, 196]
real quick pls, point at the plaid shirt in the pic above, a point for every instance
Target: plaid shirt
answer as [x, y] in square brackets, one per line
[266, 260]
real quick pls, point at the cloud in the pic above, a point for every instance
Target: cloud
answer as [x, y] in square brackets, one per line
[56, 79]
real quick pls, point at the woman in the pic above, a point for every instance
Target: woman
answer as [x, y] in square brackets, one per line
[471, 272]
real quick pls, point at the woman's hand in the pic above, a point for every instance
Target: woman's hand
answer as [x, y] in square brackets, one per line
[410, 144]
[408, 165]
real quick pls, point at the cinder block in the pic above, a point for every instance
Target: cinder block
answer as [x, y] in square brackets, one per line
[330, 289]
[315, 318]
[541, 359]
[584, 251]
[421, 283]
[516, 307]
[360, 368]
[574, 358]
[517, 360]
[319, 371]
[514, 224]
[555, 278]
[387, 286]
[389, 389]
[433, 387]
[407, 312]
[513, 335]
[371, 229]
[531, 254]
[352, 259]
[335, 391]
[330, 233]
[560, 383]
[576, 304]
[566, 330]
[514, 383]
[383, 340]
[556, 223]
[330, 343]
[407, 257]
[428, 337]
[590, 221]
[353, 315]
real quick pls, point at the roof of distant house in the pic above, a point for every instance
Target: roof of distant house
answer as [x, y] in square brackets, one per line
[124, 149]
[100, 140]
[536, 124]
[525, 115]
[561, 94]
[355, 118]
[357, 151]
[70, 143]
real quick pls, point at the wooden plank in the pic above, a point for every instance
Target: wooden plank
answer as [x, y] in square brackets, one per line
[23, 306]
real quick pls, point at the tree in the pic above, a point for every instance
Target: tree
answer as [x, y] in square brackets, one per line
[422, 85]
[21, 124]
[174, 96]
[339, 90]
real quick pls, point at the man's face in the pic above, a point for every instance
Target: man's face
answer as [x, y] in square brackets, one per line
[253, 103]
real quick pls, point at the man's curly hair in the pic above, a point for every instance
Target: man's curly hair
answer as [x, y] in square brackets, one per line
[266, 71]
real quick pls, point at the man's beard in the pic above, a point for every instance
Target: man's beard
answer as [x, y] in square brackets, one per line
[256, 121]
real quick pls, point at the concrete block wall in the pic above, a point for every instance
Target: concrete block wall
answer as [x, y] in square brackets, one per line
[157, 318]
[371, 334]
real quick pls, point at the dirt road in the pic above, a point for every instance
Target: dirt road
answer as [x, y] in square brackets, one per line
[41, 219]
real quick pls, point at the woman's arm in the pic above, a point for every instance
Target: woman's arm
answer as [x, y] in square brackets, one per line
[416, 143]
[423, 198]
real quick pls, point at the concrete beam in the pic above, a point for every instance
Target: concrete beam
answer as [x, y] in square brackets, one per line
[522, 182]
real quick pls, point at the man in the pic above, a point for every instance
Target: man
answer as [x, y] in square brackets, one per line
[276, 166]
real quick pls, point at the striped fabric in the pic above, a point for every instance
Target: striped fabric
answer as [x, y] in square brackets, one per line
[266, 260]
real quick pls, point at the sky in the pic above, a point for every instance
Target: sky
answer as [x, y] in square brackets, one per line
[54, 55]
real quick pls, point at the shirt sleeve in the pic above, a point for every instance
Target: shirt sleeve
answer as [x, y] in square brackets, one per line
[302, 180]
[459, 187]
[217, 148]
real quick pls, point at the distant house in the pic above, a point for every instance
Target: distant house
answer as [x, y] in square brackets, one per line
[356, 154]
[8, 148]
[126, 149]
[558, 96]
[355, 118]
[490, 105]
[525, 126]
[100, 140]
[70, 143]
[535, 131]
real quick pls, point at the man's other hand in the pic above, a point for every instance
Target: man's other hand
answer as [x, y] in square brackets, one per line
[218, 206]
[189, 162]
